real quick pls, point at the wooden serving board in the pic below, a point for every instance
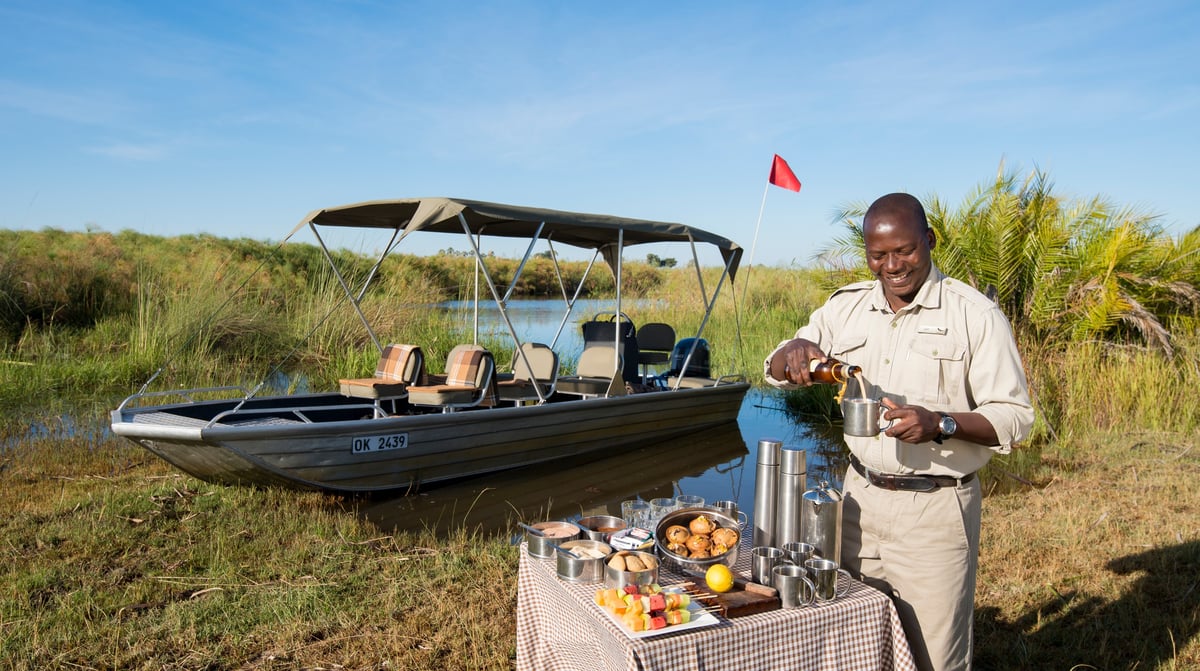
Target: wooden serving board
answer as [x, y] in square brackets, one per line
[738, 601]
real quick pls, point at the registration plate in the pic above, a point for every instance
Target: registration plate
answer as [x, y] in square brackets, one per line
[391, 441]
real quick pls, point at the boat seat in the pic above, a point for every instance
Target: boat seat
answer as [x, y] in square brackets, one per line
[535, 367]
[610, 329]
[598, 374]
[400, 366]
[470, 380]
[655, 342]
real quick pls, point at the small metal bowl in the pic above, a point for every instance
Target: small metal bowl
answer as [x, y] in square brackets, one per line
[553, 533]
[601, 527]
[585, 568]
[683, 517]
[619, 579]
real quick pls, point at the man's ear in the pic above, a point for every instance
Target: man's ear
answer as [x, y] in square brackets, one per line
[932, 237]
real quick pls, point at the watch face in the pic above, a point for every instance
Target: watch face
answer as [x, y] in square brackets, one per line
[948, 426]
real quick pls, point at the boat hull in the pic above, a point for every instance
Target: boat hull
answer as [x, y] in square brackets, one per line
[405, 451]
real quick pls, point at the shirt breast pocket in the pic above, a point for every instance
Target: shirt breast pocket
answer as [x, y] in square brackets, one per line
[936, 364]
[848, 348]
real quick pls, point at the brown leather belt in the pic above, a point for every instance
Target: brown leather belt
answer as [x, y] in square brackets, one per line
[908, 483]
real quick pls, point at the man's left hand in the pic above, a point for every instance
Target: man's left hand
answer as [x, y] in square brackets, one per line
[911, 423]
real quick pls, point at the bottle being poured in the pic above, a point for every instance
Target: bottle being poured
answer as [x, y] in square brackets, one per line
[832, 371]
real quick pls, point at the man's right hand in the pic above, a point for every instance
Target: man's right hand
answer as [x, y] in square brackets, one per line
[791, 363]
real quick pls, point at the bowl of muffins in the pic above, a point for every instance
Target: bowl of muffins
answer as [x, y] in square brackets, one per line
[696, 538]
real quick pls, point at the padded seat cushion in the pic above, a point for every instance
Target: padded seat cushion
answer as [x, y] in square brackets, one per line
[442, 394]
[584, 386]
[371, 387]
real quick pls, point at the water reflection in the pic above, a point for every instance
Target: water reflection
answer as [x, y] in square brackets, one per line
[716, 464]
[570, 489]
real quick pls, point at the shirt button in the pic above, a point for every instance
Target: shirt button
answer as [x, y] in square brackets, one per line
[887, 362]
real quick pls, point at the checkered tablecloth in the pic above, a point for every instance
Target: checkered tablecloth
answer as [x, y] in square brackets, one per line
[559, 627]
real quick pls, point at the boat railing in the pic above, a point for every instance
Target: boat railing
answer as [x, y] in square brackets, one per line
[298, 411]
[187, 395]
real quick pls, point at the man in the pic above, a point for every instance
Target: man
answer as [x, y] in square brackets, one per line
[943, 359]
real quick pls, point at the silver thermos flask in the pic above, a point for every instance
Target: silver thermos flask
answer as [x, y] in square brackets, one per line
[793, 479]
[766, 487]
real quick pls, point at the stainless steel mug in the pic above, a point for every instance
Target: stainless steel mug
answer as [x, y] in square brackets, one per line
[799, 552]
[795, 589]
[730, 508]
[861, 417]
[762, 560]
[824, 574]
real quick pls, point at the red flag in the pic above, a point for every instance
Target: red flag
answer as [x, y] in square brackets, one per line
[782, 175]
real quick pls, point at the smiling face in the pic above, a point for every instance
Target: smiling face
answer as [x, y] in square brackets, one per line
[898, 243]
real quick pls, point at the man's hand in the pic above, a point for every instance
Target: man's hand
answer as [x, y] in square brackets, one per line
[790, 364]
[911, 423]
[915, 424]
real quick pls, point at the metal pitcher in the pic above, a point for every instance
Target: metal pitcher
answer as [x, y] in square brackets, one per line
[821, 521]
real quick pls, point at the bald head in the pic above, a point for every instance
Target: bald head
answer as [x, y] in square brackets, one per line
[896, 208]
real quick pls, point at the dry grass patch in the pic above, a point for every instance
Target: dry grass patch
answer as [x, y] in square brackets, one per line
[1100, 567]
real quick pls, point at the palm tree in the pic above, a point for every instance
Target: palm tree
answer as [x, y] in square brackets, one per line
[1061, 271]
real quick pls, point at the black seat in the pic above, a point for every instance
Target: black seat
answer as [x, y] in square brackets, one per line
[655, 342]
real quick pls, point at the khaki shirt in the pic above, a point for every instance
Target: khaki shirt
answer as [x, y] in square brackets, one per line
[950, 350]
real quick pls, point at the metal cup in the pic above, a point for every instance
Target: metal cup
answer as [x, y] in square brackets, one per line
[861, 417]
[762, 560]
[730, 508]
[824, 574]
[799, 552]
[795, 589]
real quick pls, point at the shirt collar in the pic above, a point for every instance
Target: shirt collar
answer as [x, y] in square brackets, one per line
[928, 296]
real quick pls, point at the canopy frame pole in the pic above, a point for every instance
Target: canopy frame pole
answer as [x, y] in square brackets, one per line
[708, 310]
[512, 286]
[346, 287]
[575, 297]
[617, 317]
[481, 269]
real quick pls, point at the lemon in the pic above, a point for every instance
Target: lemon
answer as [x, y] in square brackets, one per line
[719, 578]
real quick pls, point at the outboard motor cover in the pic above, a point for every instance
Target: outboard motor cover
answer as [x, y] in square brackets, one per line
[698, 366]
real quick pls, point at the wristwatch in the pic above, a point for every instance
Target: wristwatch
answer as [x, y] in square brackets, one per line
[947, 426]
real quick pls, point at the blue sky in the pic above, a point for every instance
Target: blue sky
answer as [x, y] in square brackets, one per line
[237, 118]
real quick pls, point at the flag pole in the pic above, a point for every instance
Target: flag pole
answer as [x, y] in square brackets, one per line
[757, 224]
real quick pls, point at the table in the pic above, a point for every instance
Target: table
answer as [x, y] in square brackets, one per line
[559, 627]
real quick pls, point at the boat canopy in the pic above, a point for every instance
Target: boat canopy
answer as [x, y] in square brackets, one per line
[458, 215]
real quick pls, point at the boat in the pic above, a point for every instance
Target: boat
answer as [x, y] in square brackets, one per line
[397, 431]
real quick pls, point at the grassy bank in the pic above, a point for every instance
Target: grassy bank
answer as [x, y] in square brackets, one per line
[1090, 558]
[112, 560]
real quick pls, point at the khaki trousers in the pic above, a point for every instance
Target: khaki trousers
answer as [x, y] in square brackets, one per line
[920, 548]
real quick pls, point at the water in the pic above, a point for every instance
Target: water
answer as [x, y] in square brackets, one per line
[718, 464]
[538, 320]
